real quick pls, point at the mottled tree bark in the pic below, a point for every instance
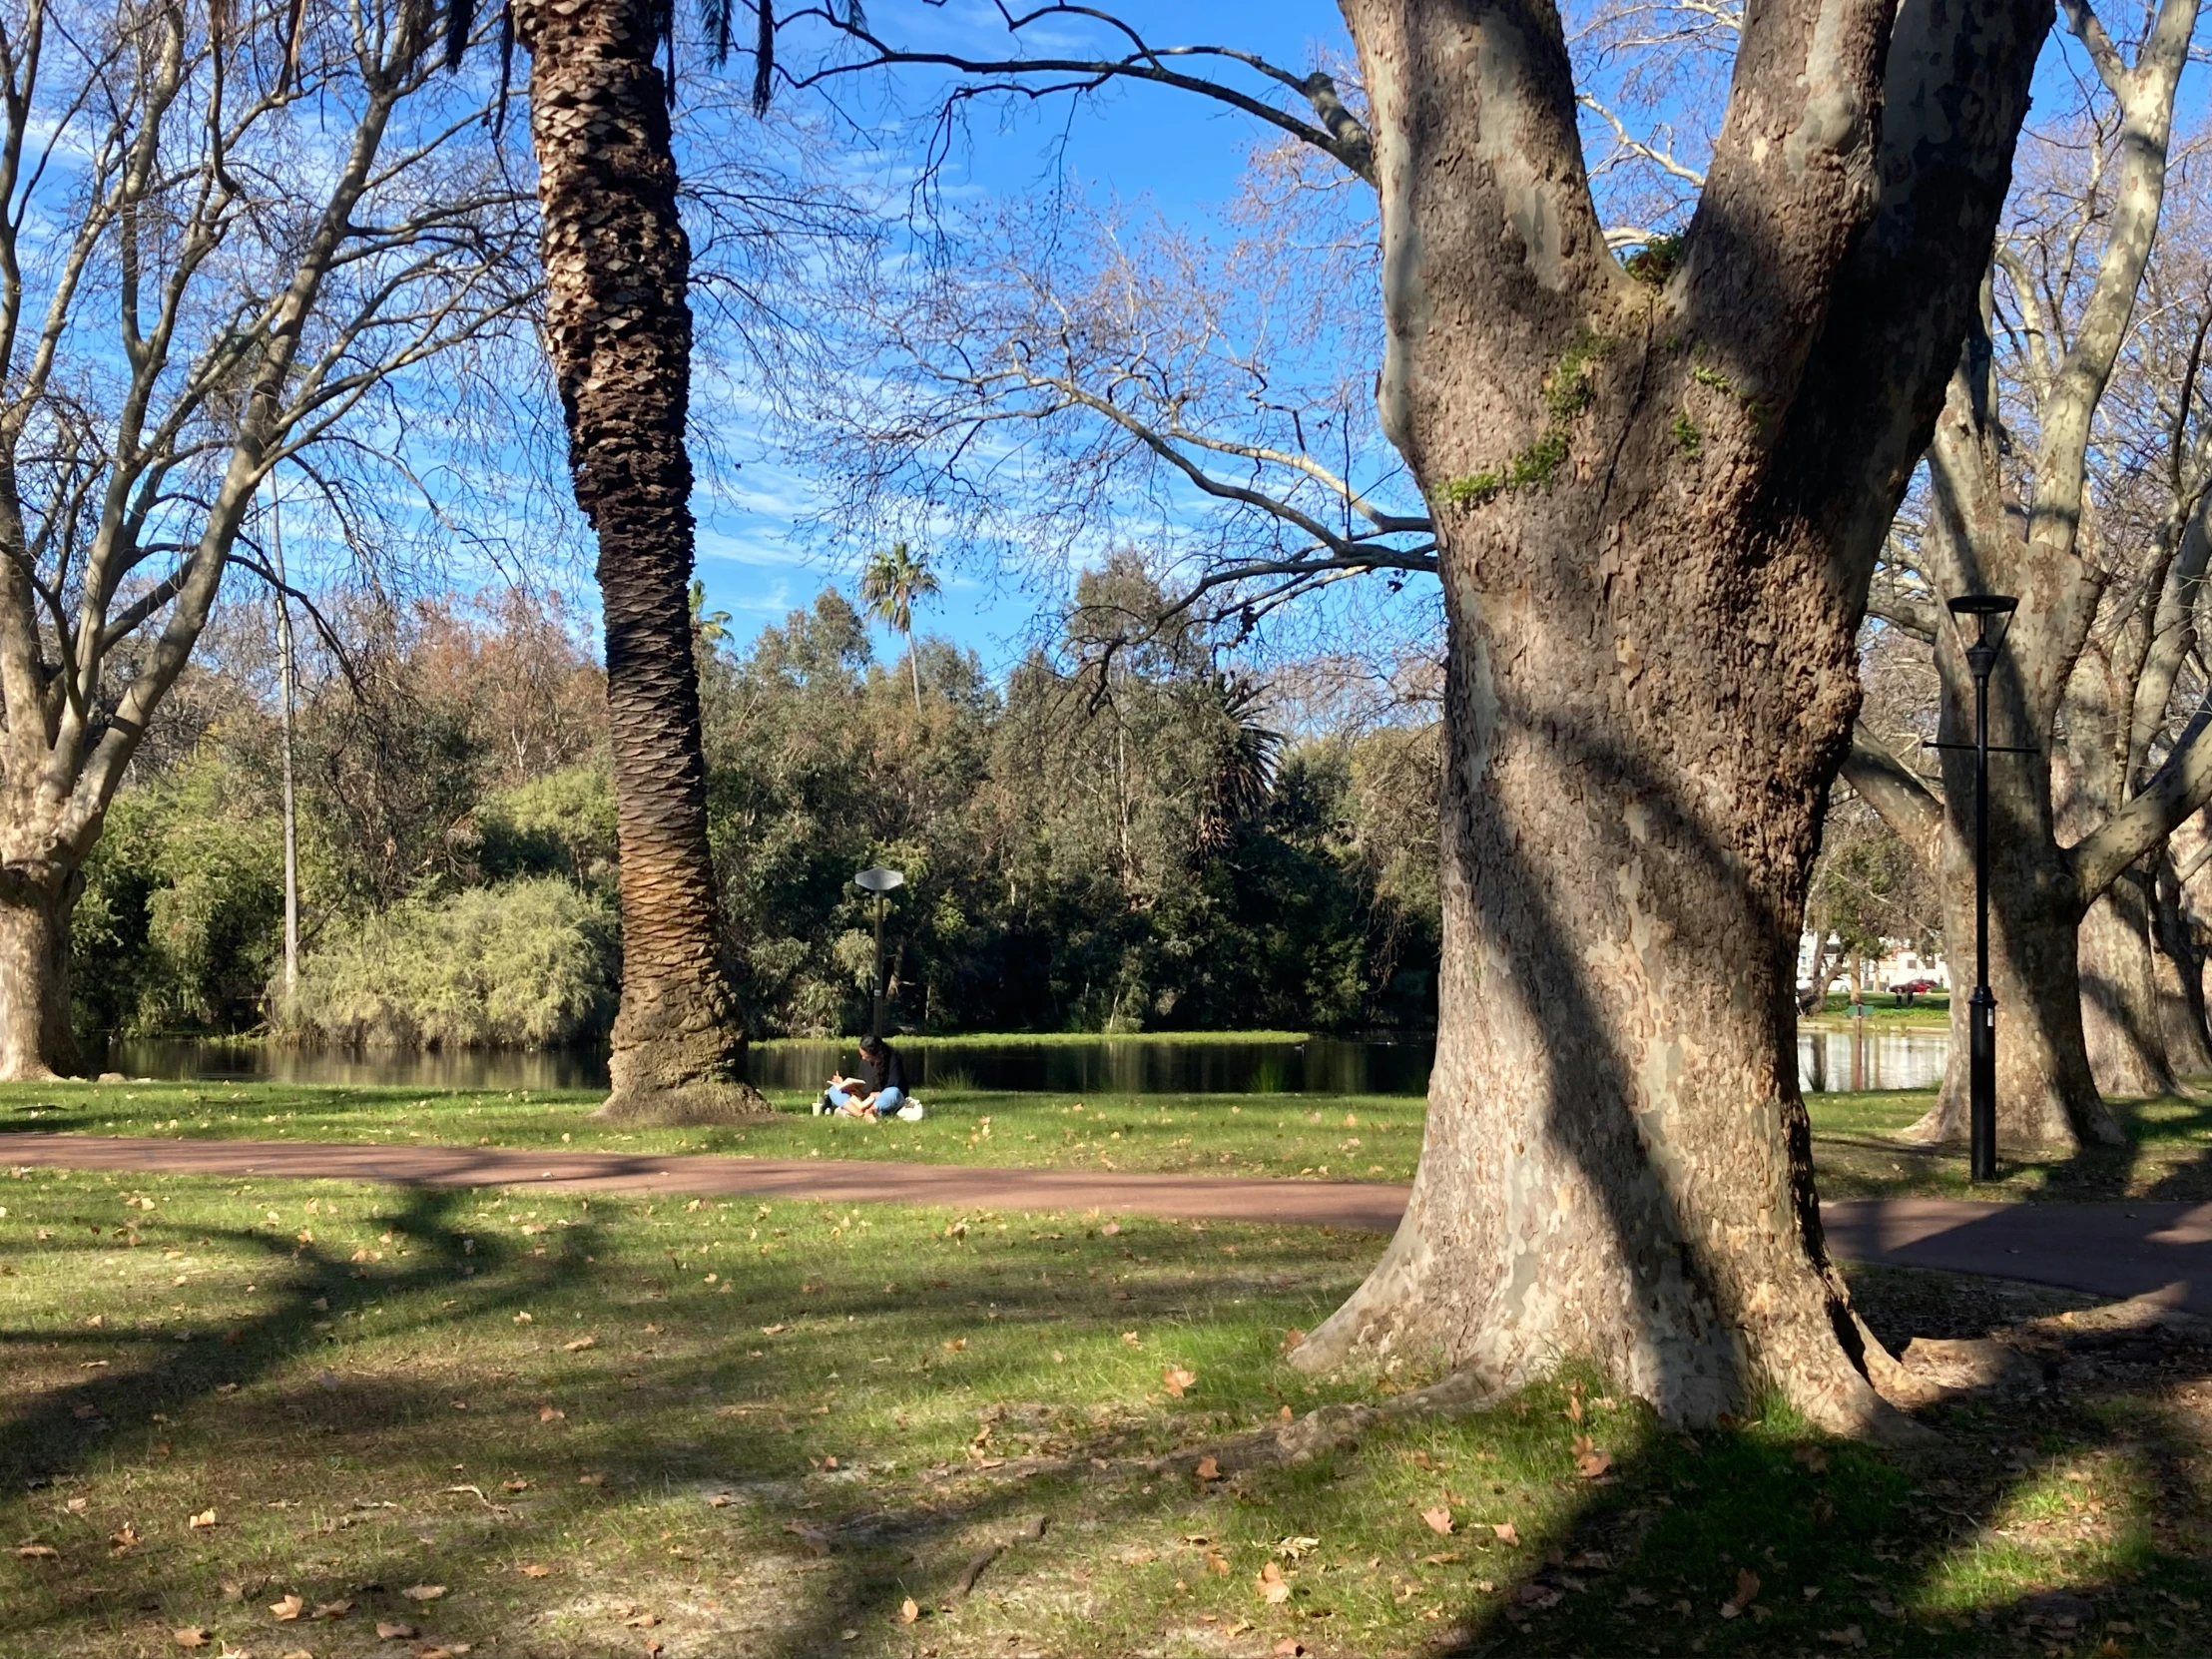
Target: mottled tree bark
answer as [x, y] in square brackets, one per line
[1658, 512]
[619, 330]
[2178, 963]
[2119, 995]
[36, 1038]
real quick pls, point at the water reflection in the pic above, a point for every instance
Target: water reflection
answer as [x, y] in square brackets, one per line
[1827, 1061]
[1836, 1061]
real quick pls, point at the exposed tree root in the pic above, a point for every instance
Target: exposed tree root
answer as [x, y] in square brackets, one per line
[692, 1104]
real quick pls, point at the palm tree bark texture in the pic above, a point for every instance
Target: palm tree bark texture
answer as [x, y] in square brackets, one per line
[1658, 509]
[619, 328]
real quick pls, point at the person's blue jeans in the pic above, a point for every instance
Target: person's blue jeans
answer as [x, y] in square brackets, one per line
[887, 1102]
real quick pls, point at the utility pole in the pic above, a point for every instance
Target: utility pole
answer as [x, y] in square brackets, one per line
[285, 681]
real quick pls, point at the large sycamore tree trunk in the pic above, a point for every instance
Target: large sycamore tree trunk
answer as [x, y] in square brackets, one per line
[1658, 511]
[617, 263]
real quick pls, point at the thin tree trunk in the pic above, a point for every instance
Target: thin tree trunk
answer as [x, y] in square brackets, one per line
[913, 668]
[36, 1036]
[2119, 995]
[616, 264]
[2177, 962]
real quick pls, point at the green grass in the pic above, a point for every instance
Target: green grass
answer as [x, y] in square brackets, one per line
[1047, 1039]
[2168, 1155]
[741, 1428]
[1314, 1136]
[1363, 1137]
[1884, 1013]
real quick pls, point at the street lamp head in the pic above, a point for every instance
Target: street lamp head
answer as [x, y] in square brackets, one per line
[1993, 614]
[879, 881]
[1983, 604]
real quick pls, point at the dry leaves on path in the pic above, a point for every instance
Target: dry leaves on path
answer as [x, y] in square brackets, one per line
[1209, 1467]
[191, 1636]
[393, 1630]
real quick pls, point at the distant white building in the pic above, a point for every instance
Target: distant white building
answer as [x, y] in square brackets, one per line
[1898, 963]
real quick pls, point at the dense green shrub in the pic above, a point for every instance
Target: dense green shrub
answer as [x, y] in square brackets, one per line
[180, 923]
[528, 964]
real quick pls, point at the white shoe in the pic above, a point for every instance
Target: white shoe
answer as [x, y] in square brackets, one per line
[912, 1113]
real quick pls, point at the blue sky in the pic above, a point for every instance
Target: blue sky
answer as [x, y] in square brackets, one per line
[1175, 150]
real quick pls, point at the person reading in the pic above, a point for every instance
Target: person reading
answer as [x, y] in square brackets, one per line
[879, 1092]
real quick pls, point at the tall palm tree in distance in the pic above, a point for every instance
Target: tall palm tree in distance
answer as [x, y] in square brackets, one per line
[889, 585]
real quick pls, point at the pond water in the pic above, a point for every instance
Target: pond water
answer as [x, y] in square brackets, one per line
[1827, 1060]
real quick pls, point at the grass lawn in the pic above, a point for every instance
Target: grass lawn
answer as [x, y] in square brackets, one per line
[1334, 1137]
[538, 1426]
[1361, 1137]
[1884, 1013]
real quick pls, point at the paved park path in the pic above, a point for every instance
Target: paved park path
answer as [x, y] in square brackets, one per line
[2119, 1249]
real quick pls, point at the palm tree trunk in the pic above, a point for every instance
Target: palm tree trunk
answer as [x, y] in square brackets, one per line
[619, 330]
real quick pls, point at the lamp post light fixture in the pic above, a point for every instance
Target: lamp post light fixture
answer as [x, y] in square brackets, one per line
[1992, 612]
[880, 881]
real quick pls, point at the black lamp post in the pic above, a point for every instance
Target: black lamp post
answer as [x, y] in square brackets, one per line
[879, 882]
[1981, 658]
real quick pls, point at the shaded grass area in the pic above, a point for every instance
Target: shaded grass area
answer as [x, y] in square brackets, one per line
[590, 1426]
[1340, 1137]
[2168, 1155]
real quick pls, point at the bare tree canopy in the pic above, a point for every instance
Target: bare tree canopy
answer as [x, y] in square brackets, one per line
[217, 252]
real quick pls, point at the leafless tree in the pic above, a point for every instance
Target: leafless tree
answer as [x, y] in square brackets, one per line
[224, 245]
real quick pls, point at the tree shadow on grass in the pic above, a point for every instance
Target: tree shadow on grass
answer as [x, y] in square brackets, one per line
[1754, 1539]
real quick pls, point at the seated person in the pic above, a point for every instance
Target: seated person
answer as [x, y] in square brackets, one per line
[877, 1094]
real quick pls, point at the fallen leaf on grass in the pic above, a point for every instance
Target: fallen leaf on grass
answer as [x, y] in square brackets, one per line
[1177, 1380]
[1289, 1647]
[288, 1609]
[423, 1592]
[907, 1611]
[191, 1636]
[642, 1621]
[1438, 1519]
[955, 1344]
[548, 1413]
[1814, 1457]
[1296, 1549]
[38, 1552]
[1506, 1533]
[1589, 1462]
[1209, 1467]
[332, 1609]
[1273, 1589]
[1292, 1337]
[202, 1522]
[514, 1485]
[1131, 1338]
[1747, 1587]
[1443, 1560]
[393, 1630]
[535, 1570]
[1239, 1628]
[591, 1480]
[1217, 1563]
[1849, 1636]
[580, 1344]
[124, 1540]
